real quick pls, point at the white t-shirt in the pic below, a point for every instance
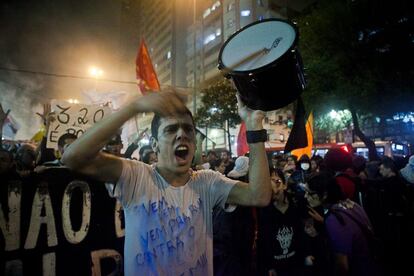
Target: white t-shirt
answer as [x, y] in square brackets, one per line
[169, 230]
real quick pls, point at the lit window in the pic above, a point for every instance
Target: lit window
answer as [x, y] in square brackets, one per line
[218, 32]
[215, 5]
[206, 13]
[169, 55]
[209, 38]
[245, 13]
[230, 22]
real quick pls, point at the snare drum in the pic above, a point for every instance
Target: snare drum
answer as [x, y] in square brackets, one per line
[264, 63]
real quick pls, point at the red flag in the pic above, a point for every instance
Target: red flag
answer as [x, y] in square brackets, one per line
[242, 146]
[146, 77]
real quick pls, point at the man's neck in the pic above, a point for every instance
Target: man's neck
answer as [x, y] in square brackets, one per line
[175, 179]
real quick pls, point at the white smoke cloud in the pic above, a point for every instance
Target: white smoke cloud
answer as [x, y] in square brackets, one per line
[21, 95]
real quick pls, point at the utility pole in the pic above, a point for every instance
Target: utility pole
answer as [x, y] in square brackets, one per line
[194, 58]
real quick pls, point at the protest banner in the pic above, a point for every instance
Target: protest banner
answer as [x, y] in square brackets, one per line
[73, 118]
[58, 223]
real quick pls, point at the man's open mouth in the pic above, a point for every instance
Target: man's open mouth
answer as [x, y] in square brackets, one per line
[181, 152]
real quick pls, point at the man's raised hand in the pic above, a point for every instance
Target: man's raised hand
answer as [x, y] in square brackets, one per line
[167, 102]
[252, 118]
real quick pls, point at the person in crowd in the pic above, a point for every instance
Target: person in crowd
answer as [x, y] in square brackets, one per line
[319, 260]
[225, 155]
[276, 159]
[144, 150]
[393, 217]
[218, 166]
[7, 169]
[134, 145]
[203, 157]
[150, 157]
[348, 229]
[43, 153]
[297, 179]
[63, 142]
[359, 166]
[303, 170]
[407, 172]
[282, 162]
[25, 160]
[211, 157]
[114, 146]
[338, 161]
[290, 166]
[372, 170]
[233, 231]
[394, 188]
[280, 246]
[316, 162]
[241, 168]
[168, 207]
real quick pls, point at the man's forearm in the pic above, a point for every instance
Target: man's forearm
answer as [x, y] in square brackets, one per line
[94, 139]
[259, 176]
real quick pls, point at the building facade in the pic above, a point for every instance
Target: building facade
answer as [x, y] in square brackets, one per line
[184, 38]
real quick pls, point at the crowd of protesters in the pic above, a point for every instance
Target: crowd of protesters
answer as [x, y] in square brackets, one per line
[336, 215]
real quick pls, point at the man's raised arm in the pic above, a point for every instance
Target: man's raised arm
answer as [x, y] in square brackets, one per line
[85, 156]
[258, 191]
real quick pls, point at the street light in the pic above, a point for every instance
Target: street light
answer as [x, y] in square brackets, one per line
[96, 72]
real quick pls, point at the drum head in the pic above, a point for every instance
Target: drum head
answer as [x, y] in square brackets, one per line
[257, 45]
[264, 63]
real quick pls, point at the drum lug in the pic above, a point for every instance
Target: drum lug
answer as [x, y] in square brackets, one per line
[252, 79]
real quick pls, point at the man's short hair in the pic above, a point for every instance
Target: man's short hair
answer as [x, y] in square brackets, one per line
[146, 156]
[388, 163]
[61, 140]
[116, 140]
[144, 148]
[156, 121]
[212, 152]
[215, 163]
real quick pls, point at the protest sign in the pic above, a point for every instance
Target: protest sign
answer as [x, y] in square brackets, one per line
[73, 118]
[58, 223]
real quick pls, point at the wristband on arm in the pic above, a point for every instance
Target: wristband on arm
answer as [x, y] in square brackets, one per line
[256, 136]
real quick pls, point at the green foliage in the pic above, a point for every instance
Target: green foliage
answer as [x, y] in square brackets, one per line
[336, 72]
[342, 71]
[218, 105]
[333, 121]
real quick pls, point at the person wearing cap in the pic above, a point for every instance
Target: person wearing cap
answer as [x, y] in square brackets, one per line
[241, 168]
[408, 171]
[167, 206]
